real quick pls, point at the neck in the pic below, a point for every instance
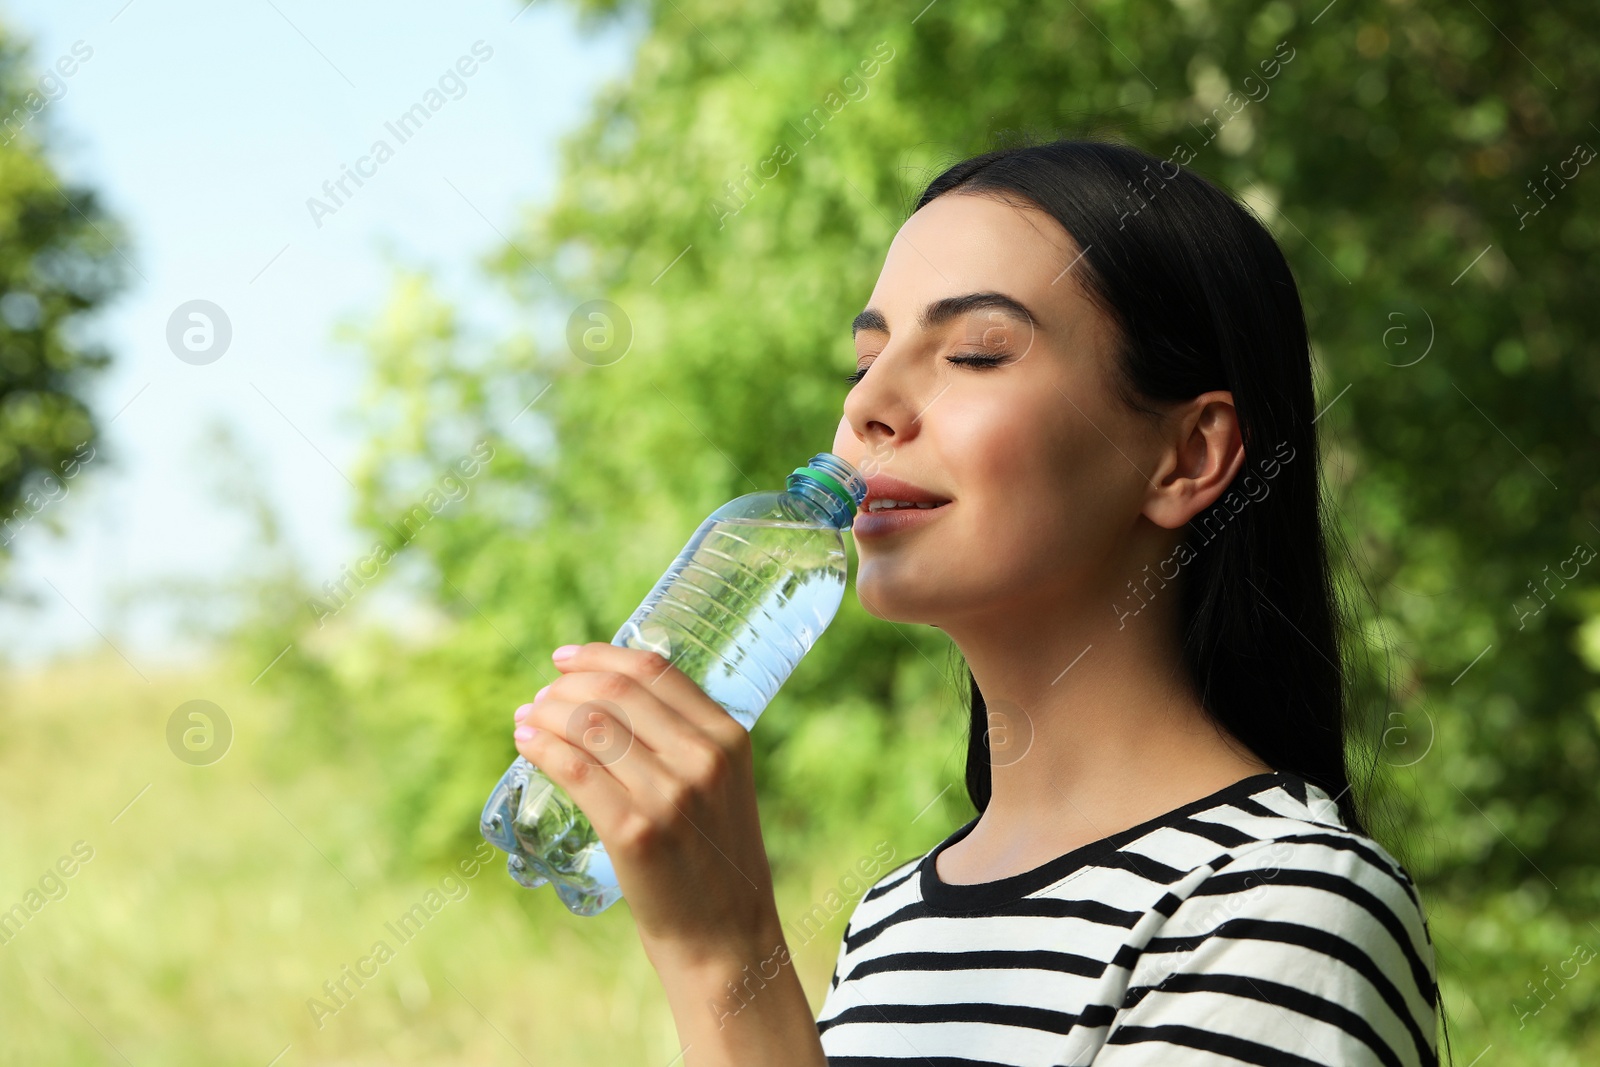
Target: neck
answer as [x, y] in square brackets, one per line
[1094, 725]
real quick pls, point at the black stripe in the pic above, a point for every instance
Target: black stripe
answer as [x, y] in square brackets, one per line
[1221, 833]
[883, 887]
[1093, 911]
[1145, 867]
[982, 960]
[1296, 788]
[1319, 941]
[1279, 995]
[1256, 808]
[1166, 905]
[1221, 1044]
[854, 939]
[1347, 844]
[1021, 1016]
[1349, 890]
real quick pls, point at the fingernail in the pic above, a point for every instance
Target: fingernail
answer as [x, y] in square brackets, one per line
[565, 652]
[540, 693]
[523, 733]
[522, 713]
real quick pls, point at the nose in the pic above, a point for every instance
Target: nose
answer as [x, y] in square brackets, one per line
[882, 409]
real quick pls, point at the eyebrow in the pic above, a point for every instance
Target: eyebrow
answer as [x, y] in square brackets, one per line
[941, 311]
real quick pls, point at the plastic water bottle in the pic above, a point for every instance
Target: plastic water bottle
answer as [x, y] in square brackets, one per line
[746, 598]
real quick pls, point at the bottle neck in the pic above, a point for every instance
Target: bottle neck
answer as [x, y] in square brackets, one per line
[829, 508]
[832, 485]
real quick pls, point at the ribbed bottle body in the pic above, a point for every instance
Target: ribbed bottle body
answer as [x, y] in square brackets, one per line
[736, 611]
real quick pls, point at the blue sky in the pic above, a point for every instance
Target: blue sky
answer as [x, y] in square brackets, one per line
[206, 128]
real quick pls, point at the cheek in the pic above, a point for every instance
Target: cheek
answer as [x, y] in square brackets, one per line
[1013, 453]
[1038, 483]
[1006, 469]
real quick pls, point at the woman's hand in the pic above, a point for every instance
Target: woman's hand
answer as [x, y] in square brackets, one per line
[664, 775]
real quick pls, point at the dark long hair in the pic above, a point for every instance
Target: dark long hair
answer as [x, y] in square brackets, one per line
[1203, 299]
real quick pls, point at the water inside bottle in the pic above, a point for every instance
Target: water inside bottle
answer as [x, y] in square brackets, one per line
[737, 610]
[750, 601]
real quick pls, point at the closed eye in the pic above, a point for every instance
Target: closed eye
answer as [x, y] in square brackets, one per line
[970, 359]
[976, 360]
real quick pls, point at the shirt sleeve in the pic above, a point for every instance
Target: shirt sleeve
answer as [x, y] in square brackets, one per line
[1307, 951]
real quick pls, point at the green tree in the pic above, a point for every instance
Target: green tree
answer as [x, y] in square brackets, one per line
[58, 263]
[1423, 166]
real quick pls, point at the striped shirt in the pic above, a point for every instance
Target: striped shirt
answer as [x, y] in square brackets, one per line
[1250, 926]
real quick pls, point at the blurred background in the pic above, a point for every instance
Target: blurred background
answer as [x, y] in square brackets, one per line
[274, 276]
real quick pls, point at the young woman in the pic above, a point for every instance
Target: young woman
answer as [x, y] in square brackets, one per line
[1090, 368]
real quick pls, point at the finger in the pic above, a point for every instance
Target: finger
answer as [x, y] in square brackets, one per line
[667, 750]
[655, 672]
[595, 729]
[590, 784]
[642, 711]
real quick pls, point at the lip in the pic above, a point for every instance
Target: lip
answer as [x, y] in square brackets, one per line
[885, 487]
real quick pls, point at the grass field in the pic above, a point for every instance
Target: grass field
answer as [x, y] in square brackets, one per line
[216, 901]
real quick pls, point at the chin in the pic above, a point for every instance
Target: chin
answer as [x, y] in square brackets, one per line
[890, 605]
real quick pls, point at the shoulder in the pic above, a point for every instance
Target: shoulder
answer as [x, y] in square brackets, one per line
[1331, 891]
[1310, 933]
[1303, 856]
[1293, 835]
[1300, 875]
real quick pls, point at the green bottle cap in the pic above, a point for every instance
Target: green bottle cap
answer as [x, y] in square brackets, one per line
[830, 483]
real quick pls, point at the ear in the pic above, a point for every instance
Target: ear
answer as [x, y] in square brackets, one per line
[1201, 454]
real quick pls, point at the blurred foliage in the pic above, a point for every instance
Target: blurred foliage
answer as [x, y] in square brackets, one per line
[734, 196]
[58, 262]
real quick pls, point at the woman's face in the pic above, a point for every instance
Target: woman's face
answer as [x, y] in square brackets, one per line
[1038, 460]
